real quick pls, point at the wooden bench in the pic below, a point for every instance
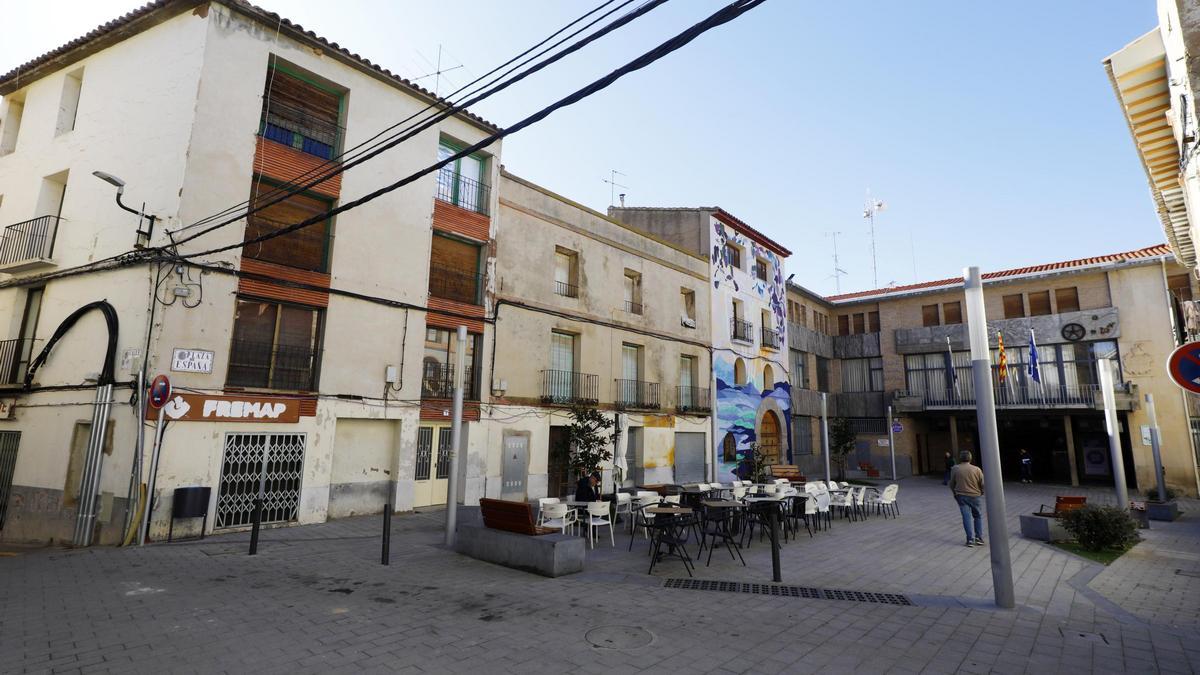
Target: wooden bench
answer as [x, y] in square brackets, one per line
[1063, 505]
[517, 517]
[788, 471]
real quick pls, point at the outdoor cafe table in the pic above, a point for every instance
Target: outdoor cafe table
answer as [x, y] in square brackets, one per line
[668, 510]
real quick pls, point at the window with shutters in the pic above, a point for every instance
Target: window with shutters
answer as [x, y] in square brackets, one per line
[733, 256]
[951, 312]
[860, 324]
[301, 113]
[873, 322]
[1066, 299]
[275, 346]
[929, 316]
[454, 270]
[1014, 306]
[761, 268]
[306, 248]
[1039, 303]
[843, 324]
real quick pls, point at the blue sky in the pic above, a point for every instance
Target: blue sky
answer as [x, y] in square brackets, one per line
[989, 129]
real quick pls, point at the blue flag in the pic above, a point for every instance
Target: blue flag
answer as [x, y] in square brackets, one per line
[948, 364]
[1032, 368]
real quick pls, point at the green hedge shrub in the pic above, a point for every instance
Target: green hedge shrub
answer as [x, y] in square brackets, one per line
[1097, 528]
[1152, 494]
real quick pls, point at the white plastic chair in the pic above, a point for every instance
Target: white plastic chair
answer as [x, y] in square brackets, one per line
[624, 504]
[860, 502]
[771, 489]
[843, 500]
[823, 506]
[885, 502]
[739, 492]
[560, 517]
[597, 516]
[671, 499]
[833, 485]
[542, 502]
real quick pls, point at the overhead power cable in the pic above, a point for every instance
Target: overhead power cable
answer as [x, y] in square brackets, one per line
[718, 18]
[331, 168]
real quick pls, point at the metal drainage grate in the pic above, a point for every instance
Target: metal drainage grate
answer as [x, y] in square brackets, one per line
[786, 591]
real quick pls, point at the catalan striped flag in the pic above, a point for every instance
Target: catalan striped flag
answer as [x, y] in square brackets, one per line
[1003, 374]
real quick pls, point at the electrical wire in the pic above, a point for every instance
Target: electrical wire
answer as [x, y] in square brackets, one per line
[342, 163]
[720, 17]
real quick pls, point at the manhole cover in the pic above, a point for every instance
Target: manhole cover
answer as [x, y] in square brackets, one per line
[619, 637]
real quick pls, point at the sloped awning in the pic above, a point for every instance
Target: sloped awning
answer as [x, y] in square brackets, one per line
[1139, 77]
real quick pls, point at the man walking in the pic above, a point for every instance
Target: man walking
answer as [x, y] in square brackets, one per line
[966, 483]
[1026, 467]
[949, 468]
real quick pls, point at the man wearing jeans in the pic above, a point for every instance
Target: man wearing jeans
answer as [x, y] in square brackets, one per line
[966, 482]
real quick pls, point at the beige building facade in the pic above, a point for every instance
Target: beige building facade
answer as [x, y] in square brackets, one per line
[891, 348]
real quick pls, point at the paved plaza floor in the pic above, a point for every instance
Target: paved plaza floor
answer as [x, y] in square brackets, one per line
[316, 599]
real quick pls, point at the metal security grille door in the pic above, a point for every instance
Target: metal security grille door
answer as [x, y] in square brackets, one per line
[242, 473]
[9, 440]
[689, 457]
[432, 469]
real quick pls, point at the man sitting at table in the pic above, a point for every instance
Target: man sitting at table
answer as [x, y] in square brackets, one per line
[585, 489]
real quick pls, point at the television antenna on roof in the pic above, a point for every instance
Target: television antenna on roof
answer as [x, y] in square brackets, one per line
[437, 72]
[613, 185]
[837, 270]
[873, 207]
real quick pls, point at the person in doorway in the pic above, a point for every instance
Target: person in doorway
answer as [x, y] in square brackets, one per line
[585, 489]
[1026, 467]
[949, 466]
[966, 483]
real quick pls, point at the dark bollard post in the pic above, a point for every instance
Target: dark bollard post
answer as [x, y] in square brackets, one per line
[387, 534]
[257, 522]
[773, 520]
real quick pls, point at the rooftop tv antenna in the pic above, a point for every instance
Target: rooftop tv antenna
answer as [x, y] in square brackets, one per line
[613, 185]
[437, 71]
[837, 270]
[873, 207]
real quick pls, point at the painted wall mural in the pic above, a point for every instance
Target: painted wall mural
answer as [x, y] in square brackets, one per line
[749, 409]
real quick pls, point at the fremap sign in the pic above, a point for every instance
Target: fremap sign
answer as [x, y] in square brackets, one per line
[191, 361]
[217, 408]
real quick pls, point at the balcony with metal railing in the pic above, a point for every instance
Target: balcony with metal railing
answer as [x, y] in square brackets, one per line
[437, 381]
[770, 338]
[635, 395]
[1018, 397]
[742, 331]
[566, 290]
[300, 129]
[28, 244]
[692, 399]
[565, 387]
[463, 192]
[15, 355]
[265, 365]
[451, 284]
[633, 307]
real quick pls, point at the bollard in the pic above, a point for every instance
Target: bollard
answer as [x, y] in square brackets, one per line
[257, 522]
[387, 534]
[773, 519]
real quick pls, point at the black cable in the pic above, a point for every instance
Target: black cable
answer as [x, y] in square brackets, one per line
[720, 17]
[450, 111]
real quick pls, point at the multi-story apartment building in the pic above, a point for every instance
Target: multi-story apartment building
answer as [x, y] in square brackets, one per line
[318, 360]
[1156, 79]
[906, 347]
[749, 329]
[592, 312]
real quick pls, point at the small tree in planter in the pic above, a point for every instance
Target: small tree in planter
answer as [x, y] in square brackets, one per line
[753, 463]
[588, 440]
[842, 440]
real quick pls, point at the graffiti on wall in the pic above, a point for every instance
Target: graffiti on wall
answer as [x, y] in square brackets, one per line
[742, 411]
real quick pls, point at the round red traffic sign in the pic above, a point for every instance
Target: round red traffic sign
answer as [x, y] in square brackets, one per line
[160, 392]
[1184, 366]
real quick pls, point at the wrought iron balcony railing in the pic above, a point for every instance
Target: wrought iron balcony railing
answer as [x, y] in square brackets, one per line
[636, 394]
[565, 387]
[468, 193]
[770, 338]
[452, 284]
[693, 399]
[1014, 396]
[741, 330]
[633, 307]
[437, 381]
[270, 366]
[566, 290]
[29, 240]
[300, 129]
[14, 357]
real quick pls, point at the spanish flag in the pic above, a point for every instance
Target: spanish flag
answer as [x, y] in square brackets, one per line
[1003, 374]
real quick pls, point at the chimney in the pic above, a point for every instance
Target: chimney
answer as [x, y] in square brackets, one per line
[622, 198]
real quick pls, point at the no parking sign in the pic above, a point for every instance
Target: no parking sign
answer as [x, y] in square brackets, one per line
[1184, 366]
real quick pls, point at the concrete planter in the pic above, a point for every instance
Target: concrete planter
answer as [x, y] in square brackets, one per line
[1043, 528]
[1162, 510]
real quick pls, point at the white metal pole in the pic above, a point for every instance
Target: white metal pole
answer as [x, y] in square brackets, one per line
[825, 434]
[989, 439]
[455, 438]
[891, 442]
[1160, 480]
[1105, 367]
[135, 472]
[144, 530]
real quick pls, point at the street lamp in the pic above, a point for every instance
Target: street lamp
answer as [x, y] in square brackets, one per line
[120, 185]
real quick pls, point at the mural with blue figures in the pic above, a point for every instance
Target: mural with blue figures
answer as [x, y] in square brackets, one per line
[739, 409]
[772, 290]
